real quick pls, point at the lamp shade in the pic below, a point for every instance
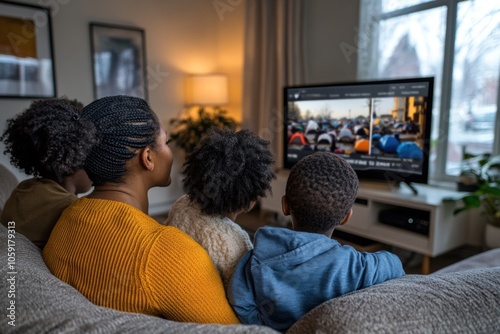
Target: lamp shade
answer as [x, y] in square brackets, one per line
[210, 89]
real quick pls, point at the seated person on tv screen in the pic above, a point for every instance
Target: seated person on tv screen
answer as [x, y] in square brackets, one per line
[289, 272]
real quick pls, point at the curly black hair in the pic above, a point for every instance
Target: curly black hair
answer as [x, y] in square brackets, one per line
[228, 170]
[123, 123]
[49, 139]
[320, 191]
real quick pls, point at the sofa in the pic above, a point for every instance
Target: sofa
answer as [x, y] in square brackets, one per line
[457, 301]
[8, 181]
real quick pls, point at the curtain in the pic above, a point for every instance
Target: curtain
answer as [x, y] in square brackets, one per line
[273, 58]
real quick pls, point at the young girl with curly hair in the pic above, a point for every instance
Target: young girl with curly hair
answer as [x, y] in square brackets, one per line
[224, 176]
[50, 142]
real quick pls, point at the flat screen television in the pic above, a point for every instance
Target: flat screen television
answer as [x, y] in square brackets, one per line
[382, 128]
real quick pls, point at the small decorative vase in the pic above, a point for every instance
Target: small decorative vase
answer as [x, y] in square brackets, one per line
[492, 236]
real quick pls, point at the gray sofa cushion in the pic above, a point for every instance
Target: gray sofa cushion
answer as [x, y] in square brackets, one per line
[45, 304]
[8, 181]
[463, 302]
[488, 259]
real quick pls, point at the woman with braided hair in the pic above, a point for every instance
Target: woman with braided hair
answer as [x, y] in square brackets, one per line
[108, 247]
[50, 142]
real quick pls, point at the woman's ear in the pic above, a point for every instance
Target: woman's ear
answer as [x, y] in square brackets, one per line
[146, 158]
[346, 218]
[284, 206]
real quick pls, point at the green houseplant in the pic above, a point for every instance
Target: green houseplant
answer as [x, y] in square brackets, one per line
[485, 170]
[188, 130]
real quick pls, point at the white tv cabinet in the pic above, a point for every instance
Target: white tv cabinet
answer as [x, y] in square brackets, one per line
[446, 231]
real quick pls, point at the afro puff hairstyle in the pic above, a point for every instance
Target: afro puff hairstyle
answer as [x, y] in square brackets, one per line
[228, 170]
[320, 191]
[123, 123]
[49, 139]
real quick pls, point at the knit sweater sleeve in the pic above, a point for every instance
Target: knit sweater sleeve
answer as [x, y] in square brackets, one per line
[233, 243]
[224, 240]
[184, 283]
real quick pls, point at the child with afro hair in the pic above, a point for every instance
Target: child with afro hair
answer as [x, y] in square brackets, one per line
[50, 142]
[224, 176]
[289, 272]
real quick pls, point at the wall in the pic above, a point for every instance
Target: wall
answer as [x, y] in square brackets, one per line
[183, 36]
[230, 42]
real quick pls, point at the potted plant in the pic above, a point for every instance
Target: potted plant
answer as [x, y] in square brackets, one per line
[486, 172]
[470, 171]
[188, 130]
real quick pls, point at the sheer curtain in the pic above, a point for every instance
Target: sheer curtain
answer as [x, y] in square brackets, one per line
[273, 58]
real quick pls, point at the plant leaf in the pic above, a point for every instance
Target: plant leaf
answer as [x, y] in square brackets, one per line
[472, 201]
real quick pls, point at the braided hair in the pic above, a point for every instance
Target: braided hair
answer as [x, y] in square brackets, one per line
[228, 170]
[320, 191]
[49, 139]
[124, 124]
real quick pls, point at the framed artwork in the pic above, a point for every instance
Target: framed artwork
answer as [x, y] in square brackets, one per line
[118, 60]
[27, 67]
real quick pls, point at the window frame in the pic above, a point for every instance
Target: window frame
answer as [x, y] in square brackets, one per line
[369, 72]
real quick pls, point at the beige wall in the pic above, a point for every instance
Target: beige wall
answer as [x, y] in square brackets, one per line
[183, 36]
[230, 38]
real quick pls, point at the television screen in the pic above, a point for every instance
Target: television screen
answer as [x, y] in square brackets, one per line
[382, 128]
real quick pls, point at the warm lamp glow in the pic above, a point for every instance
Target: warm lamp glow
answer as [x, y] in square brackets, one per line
[210, 89]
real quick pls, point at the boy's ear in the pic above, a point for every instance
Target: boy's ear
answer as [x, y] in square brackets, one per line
[146, 158]
[346, 218]
[284, 206]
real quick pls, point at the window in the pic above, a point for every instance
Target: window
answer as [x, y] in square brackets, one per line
[457, 42]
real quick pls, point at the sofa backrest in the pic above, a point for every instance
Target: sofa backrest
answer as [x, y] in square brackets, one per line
[44, 303]
[461, 302]
[8, 181]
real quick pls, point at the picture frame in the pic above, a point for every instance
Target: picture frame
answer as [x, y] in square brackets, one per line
[27, 68]
[118, 60]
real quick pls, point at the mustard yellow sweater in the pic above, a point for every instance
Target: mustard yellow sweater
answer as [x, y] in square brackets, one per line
[119, 257]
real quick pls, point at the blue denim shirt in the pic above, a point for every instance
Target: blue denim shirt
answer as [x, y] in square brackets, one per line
[288, 273]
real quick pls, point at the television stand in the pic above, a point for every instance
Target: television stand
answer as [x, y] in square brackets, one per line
[393, 186]
[440, 232]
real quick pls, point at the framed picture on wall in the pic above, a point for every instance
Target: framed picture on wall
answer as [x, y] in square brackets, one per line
[26, 51]
[118, 60]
